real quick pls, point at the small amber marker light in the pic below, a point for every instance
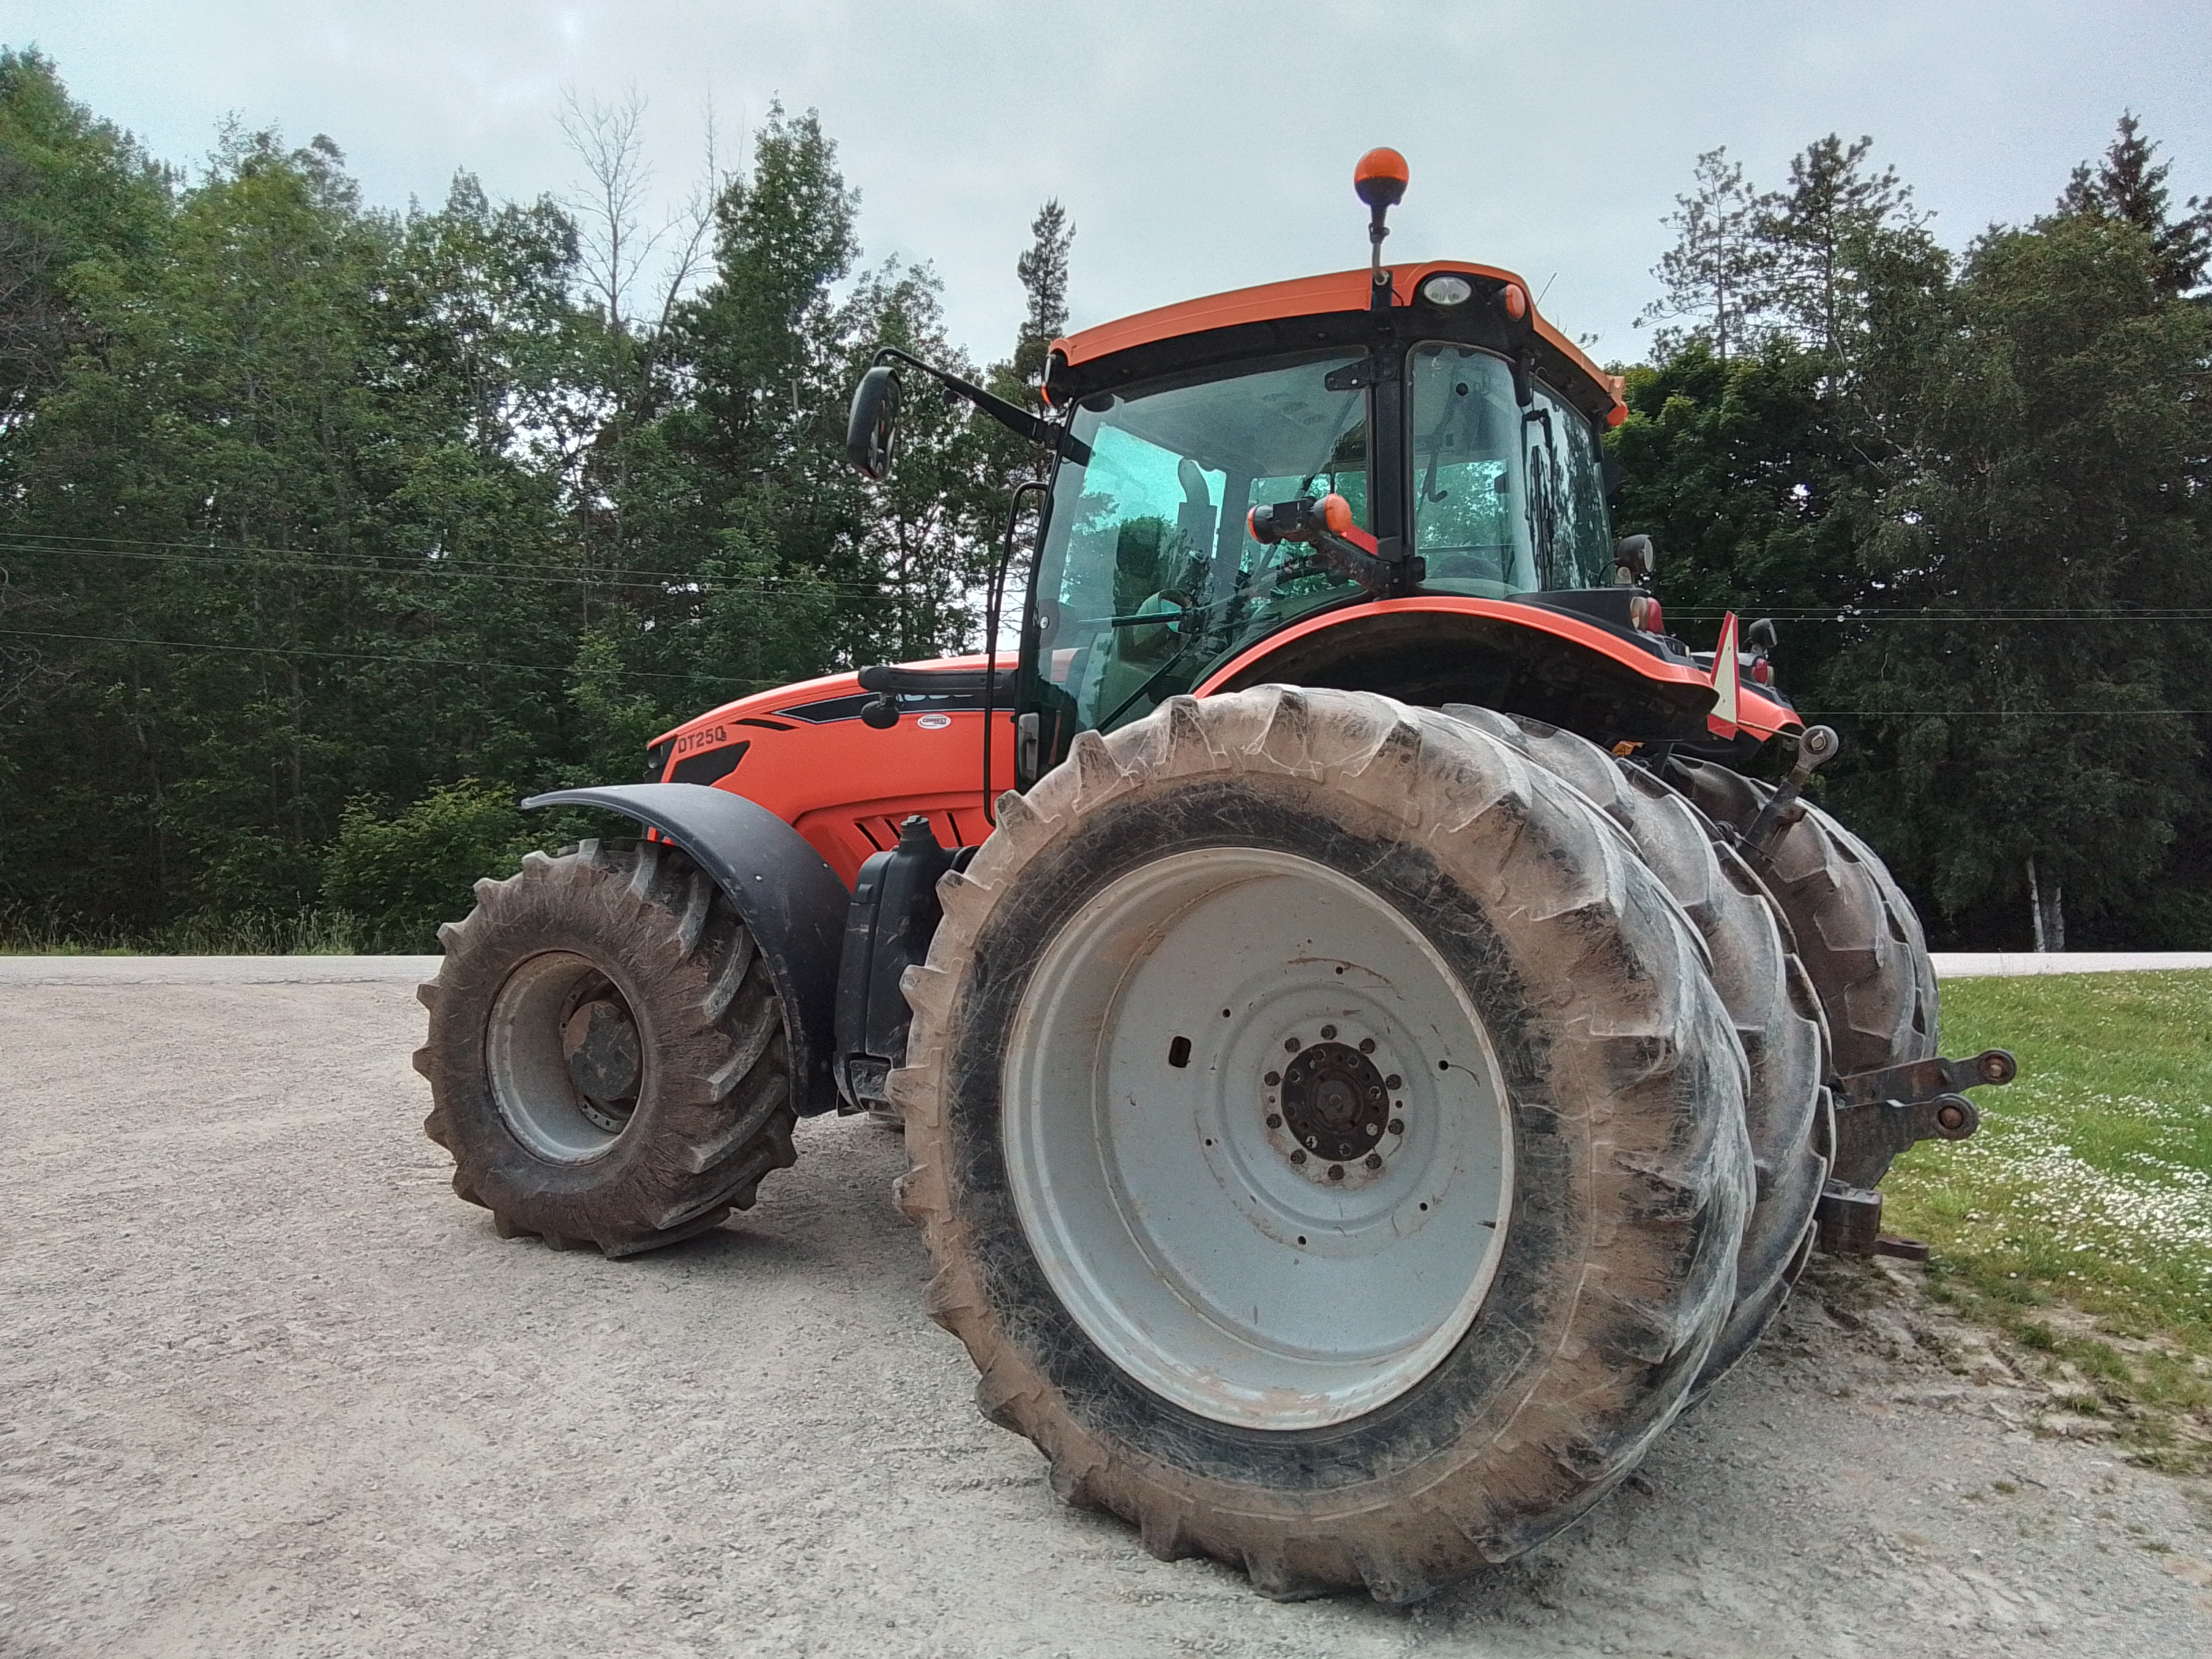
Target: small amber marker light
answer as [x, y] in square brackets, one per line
[1381, 177]
[1336, 513]
[1516, 302]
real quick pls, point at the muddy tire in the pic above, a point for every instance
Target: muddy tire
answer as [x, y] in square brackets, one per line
[1768, 993]
[1145, 1043]
[1857, 932]
[607, 1058]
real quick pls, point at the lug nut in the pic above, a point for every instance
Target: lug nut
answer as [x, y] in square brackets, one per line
[1291, 1044]
[1397, 1126]
[1374, 1129]
[1367, 1045]
[1275, 1120]
[1394, 1081]
[1297, 1157]
[1328, 1034]
[1374, 1160]
[1313, 1143]
[1336, 1172]
[1273, 1079]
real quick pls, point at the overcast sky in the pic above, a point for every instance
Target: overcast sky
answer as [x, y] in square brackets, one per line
[1197, 146]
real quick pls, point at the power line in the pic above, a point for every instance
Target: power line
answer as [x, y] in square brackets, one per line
[370, 656]
[323, 563]
[1923, 613]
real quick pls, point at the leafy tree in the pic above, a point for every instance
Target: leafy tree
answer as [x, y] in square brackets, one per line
[2056, 435]
[397, 878]
[1750, 481]
[72, 188]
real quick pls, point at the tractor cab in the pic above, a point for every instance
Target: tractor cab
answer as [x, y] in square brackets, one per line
[1388, 480]
[1461, 437]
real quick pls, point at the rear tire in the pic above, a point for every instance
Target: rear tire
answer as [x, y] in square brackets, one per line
[606, 1057]
[1857, 932]
[1299, 1373]
[1768, 993]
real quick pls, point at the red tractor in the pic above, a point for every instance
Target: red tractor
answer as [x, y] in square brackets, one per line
[1381, 1058]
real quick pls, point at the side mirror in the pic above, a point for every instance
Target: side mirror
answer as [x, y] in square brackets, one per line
[1632, 556]
[871, 427]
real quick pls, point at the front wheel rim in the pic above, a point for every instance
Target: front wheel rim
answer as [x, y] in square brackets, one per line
[1198, 1156]
[564, 1058]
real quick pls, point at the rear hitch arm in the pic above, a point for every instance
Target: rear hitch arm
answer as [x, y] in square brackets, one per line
[1879, 1114]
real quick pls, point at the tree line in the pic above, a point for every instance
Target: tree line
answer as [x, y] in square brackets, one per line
[327, 532]
[1974, 490]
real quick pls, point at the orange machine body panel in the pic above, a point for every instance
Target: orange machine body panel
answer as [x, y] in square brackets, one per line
[803, 753]
[1306, 296]
[845, 786]
[1759, 715]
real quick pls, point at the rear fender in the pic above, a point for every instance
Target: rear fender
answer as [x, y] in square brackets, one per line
[792, 901]
[1519, 657]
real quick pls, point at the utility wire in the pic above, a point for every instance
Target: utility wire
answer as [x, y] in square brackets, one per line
[477, 571]
[370, 656]
[249, 556]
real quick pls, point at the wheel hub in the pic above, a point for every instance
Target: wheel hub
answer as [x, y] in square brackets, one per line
[564, 1057]
[1335, 1103]
[599, 1040]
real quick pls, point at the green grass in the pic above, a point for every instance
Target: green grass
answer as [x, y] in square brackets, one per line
[2079, 1219]
[308, 933]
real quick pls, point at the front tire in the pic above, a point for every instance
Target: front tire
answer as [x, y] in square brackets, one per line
[607, 1057]
[1136, 1100]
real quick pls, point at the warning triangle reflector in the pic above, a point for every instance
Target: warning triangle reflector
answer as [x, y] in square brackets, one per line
[1727, 683]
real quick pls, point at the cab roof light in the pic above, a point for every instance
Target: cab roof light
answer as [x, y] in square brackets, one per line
[1379, 178]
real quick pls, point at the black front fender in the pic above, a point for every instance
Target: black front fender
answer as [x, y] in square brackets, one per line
[787, 896]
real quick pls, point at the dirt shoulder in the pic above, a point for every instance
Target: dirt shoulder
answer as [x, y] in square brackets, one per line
[267, 1388]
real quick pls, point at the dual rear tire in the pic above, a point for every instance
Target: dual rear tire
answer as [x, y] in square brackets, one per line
[1200, 969]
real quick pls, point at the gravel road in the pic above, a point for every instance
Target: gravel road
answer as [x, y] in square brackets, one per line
[267, 1388]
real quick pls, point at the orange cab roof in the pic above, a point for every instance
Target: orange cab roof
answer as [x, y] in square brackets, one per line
[1304, 296]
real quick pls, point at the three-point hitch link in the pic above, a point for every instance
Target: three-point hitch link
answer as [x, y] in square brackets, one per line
[1816, 746]
[1878, 1115]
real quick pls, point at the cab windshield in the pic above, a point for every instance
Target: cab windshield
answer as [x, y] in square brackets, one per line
[1149, 577]
[1149, 574]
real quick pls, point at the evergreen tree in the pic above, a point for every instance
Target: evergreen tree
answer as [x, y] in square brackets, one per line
[1043, 273]
[1714, 281]
[1826, 236]
[2130, 186]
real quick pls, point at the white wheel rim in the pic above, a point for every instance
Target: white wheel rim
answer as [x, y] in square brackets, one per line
[1166, 1213]
[527, 1061]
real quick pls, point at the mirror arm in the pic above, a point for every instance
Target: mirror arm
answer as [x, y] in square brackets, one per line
[1019, 421]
